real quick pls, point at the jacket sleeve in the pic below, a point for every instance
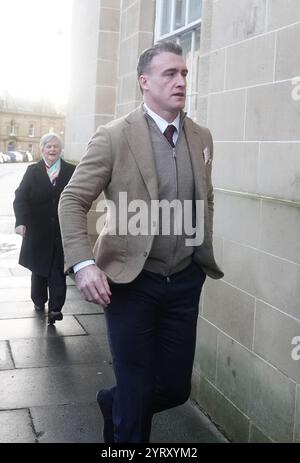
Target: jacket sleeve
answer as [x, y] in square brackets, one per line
[21, 202]
[90, 178]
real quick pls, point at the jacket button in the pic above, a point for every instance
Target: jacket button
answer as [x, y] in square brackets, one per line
[145, 254]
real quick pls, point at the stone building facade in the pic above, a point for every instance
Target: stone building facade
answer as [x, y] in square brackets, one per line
[246, 89]
[22, 124]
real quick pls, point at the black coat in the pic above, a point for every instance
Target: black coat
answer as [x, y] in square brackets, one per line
[35, 206]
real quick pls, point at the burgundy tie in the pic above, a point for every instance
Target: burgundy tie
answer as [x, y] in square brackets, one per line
[168, 133]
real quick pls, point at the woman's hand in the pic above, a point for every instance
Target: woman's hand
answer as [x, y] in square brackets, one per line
[21, 230]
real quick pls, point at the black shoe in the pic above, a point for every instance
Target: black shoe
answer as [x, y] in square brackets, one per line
[53, 316]
[104, 400]
[39, 308]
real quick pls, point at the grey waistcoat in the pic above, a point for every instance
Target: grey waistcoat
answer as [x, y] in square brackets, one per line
[169, 254]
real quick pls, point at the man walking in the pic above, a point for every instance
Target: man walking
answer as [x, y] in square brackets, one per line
[148, 283]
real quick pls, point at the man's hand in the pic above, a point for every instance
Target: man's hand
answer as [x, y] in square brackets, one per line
[21, 230]
[93, 285]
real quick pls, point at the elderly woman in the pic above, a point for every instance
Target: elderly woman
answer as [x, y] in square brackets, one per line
[35, 206]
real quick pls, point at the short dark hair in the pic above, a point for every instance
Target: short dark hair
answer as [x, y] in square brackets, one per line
[147, 56]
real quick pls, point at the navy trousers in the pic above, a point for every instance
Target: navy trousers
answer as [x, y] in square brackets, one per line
[152, 324]
[55, 283]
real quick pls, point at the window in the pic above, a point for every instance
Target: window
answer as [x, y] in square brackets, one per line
[31, 130]
[30, 148]
[12, 129]
[11, 147]
[180, 21]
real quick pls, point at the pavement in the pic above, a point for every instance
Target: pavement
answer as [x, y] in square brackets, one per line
[49, 375]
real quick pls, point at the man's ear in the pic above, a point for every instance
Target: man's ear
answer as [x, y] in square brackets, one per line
[143, 81]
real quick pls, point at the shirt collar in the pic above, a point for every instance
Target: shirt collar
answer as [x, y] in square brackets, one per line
[162, 123]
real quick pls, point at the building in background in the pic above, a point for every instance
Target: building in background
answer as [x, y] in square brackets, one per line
[244, 85]
[22, 123]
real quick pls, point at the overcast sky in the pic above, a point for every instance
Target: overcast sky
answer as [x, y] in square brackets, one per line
[35, 48]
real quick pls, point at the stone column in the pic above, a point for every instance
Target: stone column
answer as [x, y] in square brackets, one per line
[95, 44]
[137, 26]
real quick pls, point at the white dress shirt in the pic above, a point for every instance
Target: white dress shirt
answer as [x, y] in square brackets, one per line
[162, 124]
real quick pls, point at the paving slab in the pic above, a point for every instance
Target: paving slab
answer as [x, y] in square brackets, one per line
[93, 324]
[57, 351]
[19, 271]
[74, 294]
[31, 387]
[16, 427]
[70, 281]
[6, 362]
[81, 306]
[38, 327]
[19, 282]
[184, 424]
[18, 309]
[7, 223]
[9, 242]
[4, 272]
[15, 293]
[71, 423]
[25, 309]
[10, 260]
[82, 423]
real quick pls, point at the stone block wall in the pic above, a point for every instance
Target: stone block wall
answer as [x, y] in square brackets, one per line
[245, 376]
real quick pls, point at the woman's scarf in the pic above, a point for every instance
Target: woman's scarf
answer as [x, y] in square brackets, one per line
[53, 171]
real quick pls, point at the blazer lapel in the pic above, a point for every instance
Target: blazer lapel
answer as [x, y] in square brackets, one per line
[138, 137]
[196, 148]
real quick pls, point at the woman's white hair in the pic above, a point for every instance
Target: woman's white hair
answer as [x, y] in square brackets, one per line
[48, 137]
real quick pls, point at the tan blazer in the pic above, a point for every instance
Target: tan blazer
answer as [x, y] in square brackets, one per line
[119, 158]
